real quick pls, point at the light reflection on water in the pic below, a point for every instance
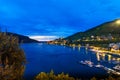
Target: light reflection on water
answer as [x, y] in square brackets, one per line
[44, 57]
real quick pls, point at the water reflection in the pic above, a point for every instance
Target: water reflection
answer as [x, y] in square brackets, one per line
[73, 48]
[107, 57]
[98, 56]
[79, 49]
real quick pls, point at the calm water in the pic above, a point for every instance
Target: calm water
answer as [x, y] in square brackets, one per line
[44, 58]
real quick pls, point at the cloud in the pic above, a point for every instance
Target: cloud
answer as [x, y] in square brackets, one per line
[43, 38]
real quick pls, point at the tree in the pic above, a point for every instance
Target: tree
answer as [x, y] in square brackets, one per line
[12, 58]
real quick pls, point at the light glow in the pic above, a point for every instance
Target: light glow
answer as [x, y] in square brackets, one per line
[43, 38]
[118, 22]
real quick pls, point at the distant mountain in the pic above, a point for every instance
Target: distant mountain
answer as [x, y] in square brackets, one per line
[105, 29]
[22, 38]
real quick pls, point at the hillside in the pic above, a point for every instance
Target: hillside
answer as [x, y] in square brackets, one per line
[22, 38]
[105, 29]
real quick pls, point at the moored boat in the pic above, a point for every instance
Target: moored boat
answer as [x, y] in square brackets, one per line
[117, 67]
[86, 62]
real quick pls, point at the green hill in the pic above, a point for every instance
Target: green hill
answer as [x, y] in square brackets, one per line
[109, 28]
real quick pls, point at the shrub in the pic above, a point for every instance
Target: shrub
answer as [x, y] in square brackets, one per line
[52, 76]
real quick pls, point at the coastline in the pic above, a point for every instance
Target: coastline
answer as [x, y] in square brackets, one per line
[95, 49]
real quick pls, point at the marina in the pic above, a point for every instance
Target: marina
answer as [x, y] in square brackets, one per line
[115, 70]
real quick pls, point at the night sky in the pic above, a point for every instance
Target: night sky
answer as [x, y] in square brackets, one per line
[49, 19]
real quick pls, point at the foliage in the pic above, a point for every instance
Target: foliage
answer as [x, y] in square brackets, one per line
[12, 58]
[62, 76]
[112, 78]
[52, 76]
[93, 78]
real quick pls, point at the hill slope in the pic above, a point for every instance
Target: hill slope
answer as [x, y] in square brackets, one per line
[22, 38]
[108, 28]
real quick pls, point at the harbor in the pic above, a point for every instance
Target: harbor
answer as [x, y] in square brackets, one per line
[115, 70]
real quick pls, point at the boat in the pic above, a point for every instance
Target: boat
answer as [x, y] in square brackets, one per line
[117, 67]
[111, 71]
[99, 66]
[86, 62]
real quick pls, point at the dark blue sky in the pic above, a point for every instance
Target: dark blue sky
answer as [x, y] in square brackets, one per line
[56, 17]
